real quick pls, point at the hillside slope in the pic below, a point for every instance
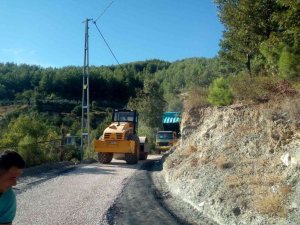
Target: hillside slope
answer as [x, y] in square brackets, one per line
[240, 164]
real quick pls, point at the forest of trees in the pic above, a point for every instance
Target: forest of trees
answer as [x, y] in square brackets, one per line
[259, 50]
[266, 31]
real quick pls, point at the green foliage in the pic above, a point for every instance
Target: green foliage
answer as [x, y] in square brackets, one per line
[29, 150]
[261, 28]
[220, 93]
[71, 153]
[247, 23]
[271, 50]
[185, 74]
[288, 64]
[149, 103]
[2, 91]
[30, 136]
[174, 102]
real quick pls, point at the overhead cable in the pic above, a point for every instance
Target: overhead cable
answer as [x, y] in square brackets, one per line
[107, 45]
[104, 10]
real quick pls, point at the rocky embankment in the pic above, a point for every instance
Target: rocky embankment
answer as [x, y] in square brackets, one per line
[240, 164]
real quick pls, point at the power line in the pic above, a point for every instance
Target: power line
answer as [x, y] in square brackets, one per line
[107, 44]
[104, 10]
[95, 23]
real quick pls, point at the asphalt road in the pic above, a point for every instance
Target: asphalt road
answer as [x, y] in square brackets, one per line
[146, 200]
[116, 193]
[80, 196]
[141, 202]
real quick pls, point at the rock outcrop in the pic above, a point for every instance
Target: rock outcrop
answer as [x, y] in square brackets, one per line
[240, 164]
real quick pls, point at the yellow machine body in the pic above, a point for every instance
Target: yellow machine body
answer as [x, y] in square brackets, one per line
[114, 139]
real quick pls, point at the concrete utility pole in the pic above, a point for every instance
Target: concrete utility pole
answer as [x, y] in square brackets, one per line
[85, 117]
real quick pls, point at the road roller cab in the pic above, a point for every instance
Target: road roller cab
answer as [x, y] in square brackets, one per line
[120, 139]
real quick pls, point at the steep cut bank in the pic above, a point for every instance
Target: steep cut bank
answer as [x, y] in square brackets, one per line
[240, 164]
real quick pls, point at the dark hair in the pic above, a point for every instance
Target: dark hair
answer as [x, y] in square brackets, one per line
[10, 159]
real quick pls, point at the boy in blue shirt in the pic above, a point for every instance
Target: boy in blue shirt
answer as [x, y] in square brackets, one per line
[11, 165]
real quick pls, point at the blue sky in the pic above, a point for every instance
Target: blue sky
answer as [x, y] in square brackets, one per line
[51, 32]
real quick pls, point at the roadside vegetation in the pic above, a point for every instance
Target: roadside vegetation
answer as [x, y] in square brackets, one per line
[230, 161]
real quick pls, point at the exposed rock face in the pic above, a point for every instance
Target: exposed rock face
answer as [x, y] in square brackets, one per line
[240, 164]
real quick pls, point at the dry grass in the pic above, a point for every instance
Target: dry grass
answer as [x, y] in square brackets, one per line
[264, 199]
[173, 162]
[7, 109]
[178, 174]
[293, 107]
[234, 181]
[285, 190]
[246, 170]
[253, 180]
[223, 163]
[296, 85]
[191, 149]
[272, 179]
[194, 162]
[230, 146]
[197, 97]
[245, 130]
[270, 203]
[204, 160]
[260, 89]
[258, 179]
[168, 163]
[254, 162]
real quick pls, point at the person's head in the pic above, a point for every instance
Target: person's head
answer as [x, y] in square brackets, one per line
[11, 165]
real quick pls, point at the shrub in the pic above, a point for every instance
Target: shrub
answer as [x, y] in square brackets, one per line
[219, 92]
[71, 153]
[197, 97]
[270, 203]
[30, 151]
[223, 163]
[259, 89]
[194, 162]
[168, 163]
[192, 149]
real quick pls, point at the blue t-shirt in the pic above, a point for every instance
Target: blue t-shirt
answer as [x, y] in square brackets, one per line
[7, 206]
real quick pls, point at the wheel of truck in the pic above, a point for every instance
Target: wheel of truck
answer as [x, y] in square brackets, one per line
[132, 158]
[105, 158]
[143, 155]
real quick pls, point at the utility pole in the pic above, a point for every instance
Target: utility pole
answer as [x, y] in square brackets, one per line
[85, 105]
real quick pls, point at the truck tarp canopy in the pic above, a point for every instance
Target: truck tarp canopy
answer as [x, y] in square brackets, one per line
[172, 117]
[171, 121]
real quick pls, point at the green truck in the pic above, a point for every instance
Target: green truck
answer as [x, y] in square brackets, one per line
[167, 137]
